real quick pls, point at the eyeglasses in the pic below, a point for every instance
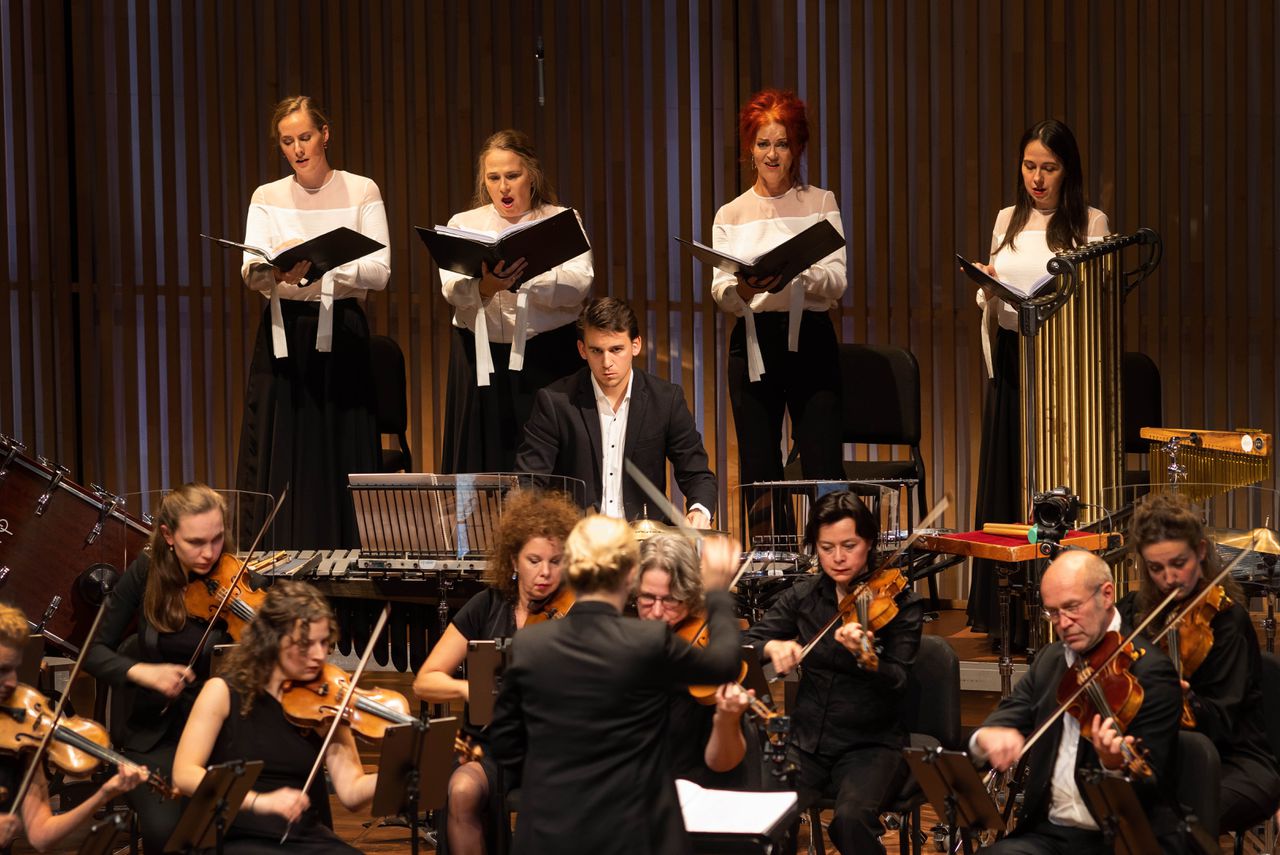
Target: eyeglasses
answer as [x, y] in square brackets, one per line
[669, 603]
[1071, 610]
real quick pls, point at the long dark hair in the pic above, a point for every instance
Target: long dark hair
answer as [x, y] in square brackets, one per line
[841, 505]
[1070, 223]
[162, 601]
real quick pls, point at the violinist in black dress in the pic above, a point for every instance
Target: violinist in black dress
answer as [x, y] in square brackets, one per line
[239, 716]
[845, 731]
[188, 541]
[1079, 600]
[1223, 694]
[581, 718]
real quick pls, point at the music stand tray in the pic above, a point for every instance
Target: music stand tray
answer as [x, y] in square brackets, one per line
[103, 834]
[400, 756]
[213, 807]
[951, 784]
[1115, 807]
[485, 663]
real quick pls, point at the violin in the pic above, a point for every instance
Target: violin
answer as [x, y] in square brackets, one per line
[873, 605]
[693, 629]
[1111, 692]
[553, 608]
[224, 581]
[78, 745]
[1189, 637]
[466, 749]
[370, 713]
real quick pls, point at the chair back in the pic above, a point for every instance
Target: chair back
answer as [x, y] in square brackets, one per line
[387, 363]
[931, 703]
[1142, 405]
[881, 400]
[1200, 778]
[1271, 699]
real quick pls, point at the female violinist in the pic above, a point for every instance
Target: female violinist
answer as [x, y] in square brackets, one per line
[43, 829]
[187, 544]
[704, 741]
[523, 573]
[1079, 600]
[845, 729]
[1221, 673]
[238, 716]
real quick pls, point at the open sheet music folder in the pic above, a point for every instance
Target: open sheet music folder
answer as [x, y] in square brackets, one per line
[1012, 293]
[732, 811]
[786, 260]
[543, 244]
[326, 252]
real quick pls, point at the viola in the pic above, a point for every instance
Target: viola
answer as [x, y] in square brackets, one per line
[1112, 691]
[224, 581]
[1188, 639]
[553, 608]
[370, 713]
[693, 629]
[78, 745]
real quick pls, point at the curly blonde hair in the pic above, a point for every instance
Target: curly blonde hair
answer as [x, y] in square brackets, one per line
[288, 612]
[527, 514]
[600, 554]
[14, 629]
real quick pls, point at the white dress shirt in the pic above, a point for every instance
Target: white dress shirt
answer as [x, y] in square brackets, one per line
[613, 436]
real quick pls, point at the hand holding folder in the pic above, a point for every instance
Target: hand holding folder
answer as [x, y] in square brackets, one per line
[785, 261]
[326, 252]
[543, 244]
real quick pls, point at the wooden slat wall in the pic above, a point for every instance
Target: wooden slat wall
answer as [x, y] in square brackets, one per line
[131, 127]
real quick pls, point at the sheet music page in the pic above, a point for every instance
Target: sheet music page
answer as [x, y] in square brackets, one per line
[730, 811]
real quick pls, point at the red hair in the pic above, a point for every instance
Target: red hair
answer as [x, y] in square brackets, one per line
[775, 105]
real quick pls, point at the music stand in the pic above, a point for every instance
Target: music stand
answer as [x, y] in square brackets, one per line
[485, 662]
[951, 784]
[213, 806]
[1115, 807]
[755, 678]
[103, 834]
[407, 781]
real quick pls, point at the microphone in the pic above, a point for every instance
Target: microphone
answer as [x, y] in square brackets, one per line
[537, 56]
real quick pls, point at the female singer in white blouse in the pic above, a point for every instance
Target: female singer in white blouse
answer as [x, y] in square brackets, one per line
[506, 345]
[783, 351]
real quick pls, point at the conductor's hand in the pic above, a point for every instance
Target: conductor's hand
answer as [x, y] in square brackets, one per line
[1108, 742]
[163, 677]
[720, 557]
[295, 274]
[124, 780]
[785, 655]
[749, 286]
[732, 699]
[1002, 745]
[285, 802]
[500, 278]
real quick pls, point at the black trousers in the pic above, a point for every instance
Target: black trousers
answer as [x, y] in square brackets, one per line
[1045, 838]
[864, 780]
[157, 817]
[1250, 793]
[806, 383]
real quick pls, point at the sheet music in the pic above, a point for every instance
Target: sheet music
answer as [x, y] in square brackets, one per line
[730, 811]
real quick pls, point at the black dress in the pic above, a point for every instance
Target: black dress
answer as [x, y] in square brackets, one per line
[288, 753]
[689, 727]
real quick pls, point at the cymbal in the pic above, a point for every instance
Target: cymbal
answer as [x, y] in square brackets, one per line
[1268, 540]
[646, 528]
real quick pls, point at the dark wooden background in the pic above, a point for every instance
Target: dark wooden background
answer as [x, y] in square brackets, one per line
[131, 127]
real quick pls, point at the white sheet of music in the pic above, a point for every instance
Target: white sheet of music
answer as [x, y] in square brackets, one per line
[730, 811]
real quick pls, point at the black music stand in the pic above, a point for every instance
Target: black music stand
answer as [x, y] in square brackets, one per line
[1115, 807]
[213, 806]
[485, 663]
[103, 834]
[406, 780]
[951, 784]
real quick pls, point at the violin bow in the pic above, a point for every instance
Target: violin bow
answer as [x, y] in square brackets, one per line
[934, 513]
[29, 776]
[341, 711]
[1084, 685]
[226, 597]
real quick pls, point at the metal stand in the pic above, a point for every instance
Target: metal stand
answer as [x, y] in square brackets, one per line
[213, 807]
[1003, 594]
[407, 781]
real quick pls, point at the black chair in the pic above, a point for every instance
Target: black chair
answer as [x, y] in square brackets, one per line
[931, 715]
[386, 361]
[1271, 708]
[1200, 779]
[1142, 408]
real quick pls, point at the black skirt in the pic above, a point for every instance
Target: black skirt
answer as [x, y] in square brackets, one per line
[308, 422]
[484, 425]
[999, 497]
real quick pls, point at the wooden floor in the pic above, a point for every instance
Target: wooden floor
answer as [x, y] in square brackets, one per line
[973, 709]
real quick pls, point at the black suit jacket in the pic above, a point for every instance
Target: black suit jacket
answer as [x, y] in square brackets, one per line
[582, 719]
[1155, 727]
[562, 437]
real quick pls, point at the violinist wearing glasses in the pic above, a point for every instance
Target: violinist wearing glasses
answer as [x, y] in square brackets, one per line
[1217, 652]
[42, 828]
[704, 733]
[1079, 600]
[187, 544]
[846, 730]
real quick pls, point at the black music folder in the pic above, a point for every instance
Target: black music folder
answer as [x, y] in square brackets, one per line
[329, 250]
[1010, 293]
[542, 244]
[786, 260]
